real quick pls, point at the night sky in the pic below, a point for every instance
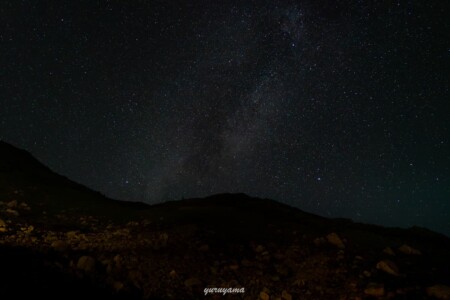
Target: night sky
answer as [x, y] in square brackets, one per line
[336, 107]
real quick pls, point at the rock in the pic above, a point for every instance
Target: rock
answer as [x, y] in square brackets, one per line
[286, 296]
[341, 255]
[259, 249]
[12, 204]
[246, 263]
[12, 212]
[234, 267]
[275, 278]
[191, 282]
[24, 206]
[83, 246]
[2, 223]
[163, 237]
[109, 266]
[132, 224]
[388, 266]
[389, 251]
[124, 232]
[86, 263]
[353, 285]
[439, 291]
[136, 278]
[203, 248]
[279, 256]
[59, 245]
[319, 241]
[173, 274]
[374, 290]
[50, 237]
[118, 260]
[409, 250]
[27, 230]
[118, 286]
[264, 296]
[335, 240]
[72, 235]
[105, 262]
[282, 270]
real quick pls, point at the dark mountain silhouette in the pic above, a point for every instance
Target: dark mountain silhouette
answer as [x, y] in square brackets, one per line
[59, 239]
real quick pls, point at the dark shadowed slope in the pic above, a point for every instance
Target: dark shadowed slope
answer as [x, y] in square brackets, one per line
[21, 175]
[61, 237]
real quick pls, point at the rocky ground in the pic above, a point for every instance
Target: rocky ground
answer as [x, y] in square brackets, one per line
[60, 240]
[159, 259]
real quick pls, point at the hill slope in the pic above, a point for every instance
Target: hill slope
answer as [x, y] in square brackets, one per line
[60, 239]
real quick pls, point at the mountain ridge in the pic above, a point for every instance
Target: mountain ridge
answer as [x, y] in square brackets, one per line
[111, 248]
[21, 160]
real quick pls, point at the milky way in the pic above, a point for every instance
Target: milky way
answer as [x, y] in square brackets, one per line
[335, 107]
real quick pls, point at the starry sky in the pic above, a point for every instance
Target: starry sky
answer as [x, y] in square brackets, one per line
[336, 107]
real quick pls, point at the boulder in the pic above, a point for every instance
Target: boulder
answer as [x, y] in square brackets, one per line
[191, 282]
[86, 263]
[50, 237]
[119, 262]
[389, 251]
[12, 212]
[118, 286]
[163, 238]
[135, 276]
[335, 240]
[405, 249]
[264, 296]
[12, 204]
[374, 290]
[439, 291]
[388, 266]
[59, 245]
[173, 274]
[259, 249]
[28, 229]
[203, 248]
[24, 206]
[72, 235]
[246, 263]
[286, 296]
[319, 241]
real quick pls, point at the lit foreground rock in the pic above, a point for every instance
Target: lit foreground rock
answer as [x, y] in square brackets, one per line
[439, 291]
